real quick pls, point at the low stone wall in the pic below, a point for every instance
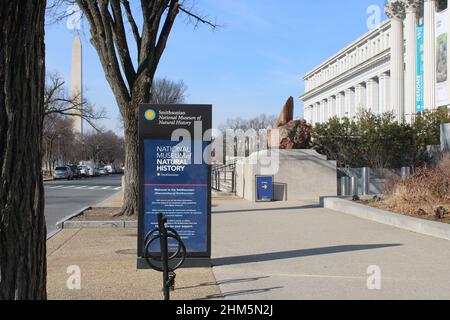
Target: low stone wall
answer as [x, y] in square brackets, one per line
[299, 175]
[430, 228]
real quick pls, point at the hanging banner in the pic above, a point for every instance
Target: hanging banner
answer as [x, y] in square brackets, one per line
[442, 98]
[420, 105]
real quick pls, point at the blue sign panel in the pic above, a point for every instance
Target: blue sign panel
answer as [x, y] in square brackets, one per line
[176, 187]
[264, 188]
[175, 175]
[420, 104]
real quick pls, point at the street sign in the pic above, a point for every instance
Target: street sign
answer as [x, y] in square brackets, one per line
[264, 188]
[175, 175]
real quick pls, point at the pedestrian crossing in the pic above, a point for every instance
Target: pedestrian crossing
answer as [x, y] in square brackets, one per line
[78, 187]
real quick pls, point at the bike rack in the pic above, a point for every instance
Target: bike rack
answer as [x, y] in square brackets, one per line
[163, 233]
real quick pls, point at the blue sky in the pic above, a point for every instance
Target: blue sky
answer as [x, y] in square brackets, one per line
[249, 66]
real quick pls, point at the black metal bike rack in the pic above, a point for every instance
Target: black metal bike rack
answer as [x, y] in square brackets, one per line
[163, 233]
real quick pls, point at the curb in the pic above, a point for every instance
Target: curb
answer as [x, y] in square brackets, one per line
[426, 227]
[99, 224]
[53, 233]
[60, 224]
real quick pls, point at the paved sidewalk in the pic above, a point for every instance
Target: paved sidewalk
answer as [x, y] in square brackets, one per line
[296, 250]
[280, 250]
[115, 201]
[107, 260]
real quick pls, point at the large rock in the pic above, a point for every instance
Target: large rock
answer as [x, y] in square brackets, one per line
[296, 134]
[292, 134]
[287, 113]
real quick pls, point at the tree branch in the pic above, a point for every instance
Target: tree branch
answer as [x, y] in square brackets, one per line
[134, 27]
[198, 18]
[120, 39]
[102, 40]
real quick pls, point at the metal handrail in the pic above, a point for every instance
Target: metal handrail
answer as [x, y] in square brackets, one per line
[220, 175]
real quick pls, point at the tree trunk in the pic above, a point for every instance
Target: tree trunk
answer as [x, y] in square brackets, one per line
[131, 192]
[22, 222]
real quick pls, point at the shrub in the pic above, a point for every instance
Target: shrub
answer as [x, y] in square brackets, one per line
[425, 193]
[379, 141]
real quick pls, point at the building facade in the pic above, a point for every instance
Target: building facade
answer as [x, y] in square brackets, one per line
[399, 67]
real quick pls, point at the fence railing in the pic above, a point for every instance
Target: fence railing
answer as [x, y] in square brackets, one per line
[223, 177]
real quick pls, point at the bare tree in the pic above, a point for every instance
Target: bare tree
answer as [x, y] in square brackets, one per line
[60, 143]
[262, 121]
[56, 101]
[131, 85]
[105, 147]
[22, 222]
[165, 91]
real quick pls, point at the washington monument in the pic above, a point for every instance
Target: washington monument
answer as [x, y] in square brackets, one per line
[76, 85]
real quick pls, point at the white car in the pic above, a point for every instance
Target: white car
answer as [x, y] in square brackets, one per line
[84, 170]
[110, 169]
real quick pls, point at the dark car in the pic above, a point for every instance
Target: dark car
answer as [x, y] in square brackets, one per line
[75, 171]
[62, 172]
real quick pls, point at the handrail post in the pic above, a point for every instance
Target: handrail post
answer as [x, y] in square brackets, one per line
[164, 255]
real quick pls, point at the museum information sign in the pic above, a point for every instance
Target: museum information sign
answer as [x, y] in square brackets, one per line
[175, 174]
[264, 188]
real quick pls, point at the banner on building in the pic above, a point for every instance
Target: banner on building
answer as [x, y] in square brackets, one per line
[442, 98]
[420, 105]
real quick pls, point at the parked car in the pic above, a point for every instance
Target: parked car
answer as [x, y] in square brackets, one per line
[110, 169]
[75, 171]
[102, 171]
[62, 172]
[84, 171]
[93, 168]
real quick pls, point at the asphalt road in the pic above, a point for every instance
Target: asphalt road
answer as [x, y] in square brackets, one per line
[63, 197]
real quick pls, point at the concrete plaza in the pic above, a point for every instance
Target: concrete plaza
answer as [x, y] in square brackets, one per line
[279, 250]
[297, 250]
[106, 258]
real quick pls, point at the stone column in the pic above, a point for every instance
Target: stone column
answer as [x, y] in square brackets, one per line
[337, 103]
[395, 10]
[310, 115]
[372, 99]
[385, 94]
[306, 113]
[429, 54]
[317, 113]
[350, 100]
[350, 103]
[360, 98]
[324, 111]
[340, 105]
[331, 107]
[412, 7]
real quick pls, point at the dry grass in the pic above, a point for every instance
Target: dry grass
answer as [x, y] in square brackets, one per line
[425, 195]
[102, 214]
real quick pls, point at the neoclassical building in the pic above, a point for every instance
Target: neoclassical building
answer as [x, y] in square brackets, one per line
[400, 66]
